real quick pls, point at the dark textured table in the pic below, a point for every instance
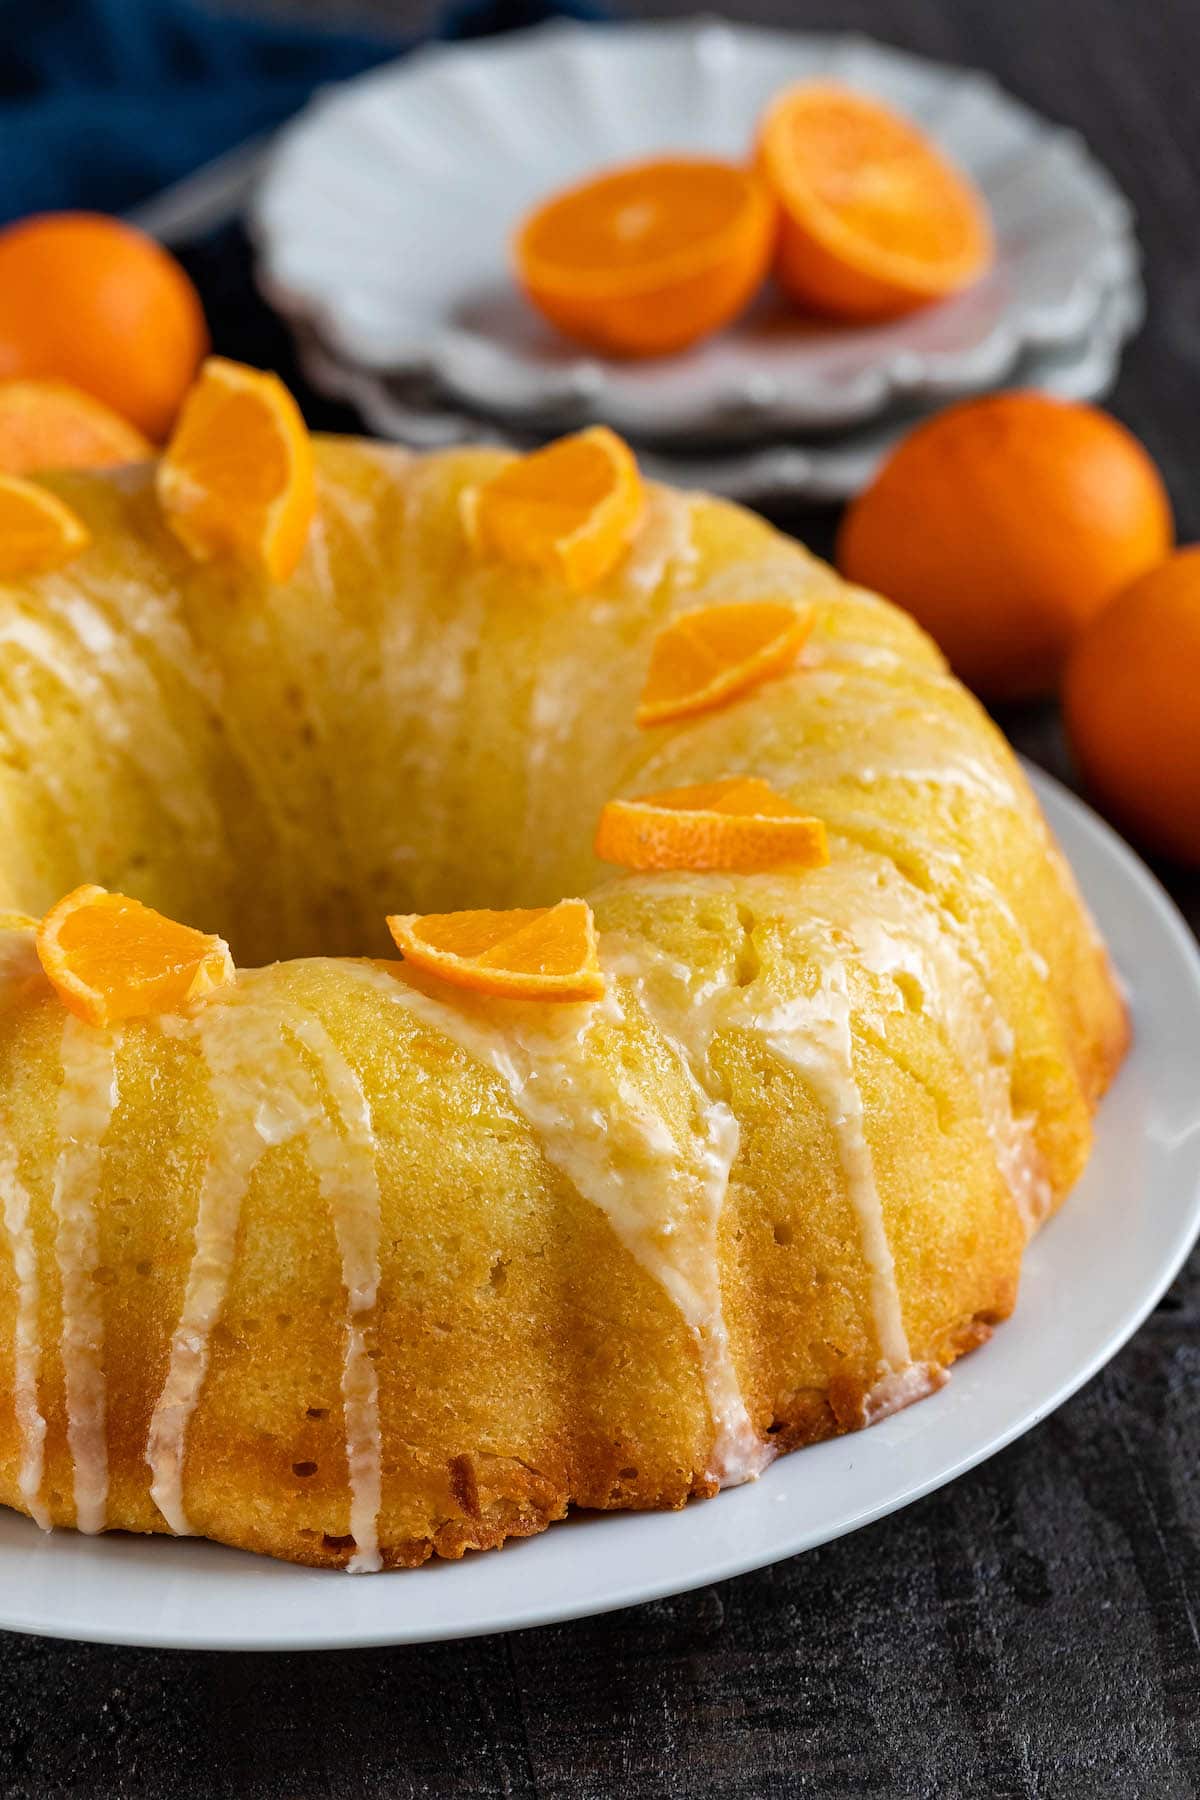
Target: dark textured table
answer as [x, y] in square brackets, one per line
[1034, 1629]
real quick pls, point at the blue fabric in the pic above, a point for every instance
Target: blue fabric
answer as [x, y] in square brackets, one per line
[103, 102]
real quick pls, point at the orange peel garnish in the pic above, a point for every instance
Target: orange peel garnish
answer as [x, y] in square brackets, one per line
[110, 958]
[740, 823]
[569, 509]
[712, 654]
[238, 476]
[523, 953]
[38, 531]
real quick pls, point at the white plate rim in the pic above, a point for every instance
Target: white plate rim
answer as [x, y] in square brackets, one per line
[1154, 921]
[579, 388]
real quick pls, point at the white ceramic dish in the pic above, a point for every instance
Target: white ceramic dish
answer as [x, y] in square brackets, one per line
[413, 410]
[1090, 1279]
[384, 214]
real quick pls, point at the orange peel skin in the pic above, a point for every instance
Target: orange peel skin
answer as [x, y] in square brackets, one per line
[713, 654]
[740, 824]
[521, 953]
[110, 958]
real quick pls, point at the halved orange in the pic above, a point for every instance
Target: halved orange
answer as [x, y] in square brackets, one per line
[237, 478]
[645, 259]
[524, 953]
[569, 509]
[713, 653]
[38, 531]
[739, 823]
[51, 425]
[875, 220]
[111, 958]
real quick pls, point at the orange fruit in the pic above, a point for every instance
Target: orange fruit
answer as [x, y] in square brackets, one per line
[91, 301]
[37, 530]
[1004, 525]
[569, 509]
[1130, 701]
[51, 425]
[645, 259]
[875, 221]
[525, 953]
[238, 477]
[714, 653]
[111, 958]
[739, 823]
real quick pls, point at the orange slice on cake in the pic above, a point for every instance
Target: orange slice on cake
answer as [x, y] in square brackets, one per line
[645, 259]
[740, 823]
[51, 425]
[523, 953]
[110, 958]
[714, 653]
[37, 530]
[568, 510]
[238, 476]
[875, 220]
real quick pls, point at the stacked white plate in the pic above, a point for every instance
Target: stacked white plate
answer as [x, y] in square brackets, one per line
[383, 219]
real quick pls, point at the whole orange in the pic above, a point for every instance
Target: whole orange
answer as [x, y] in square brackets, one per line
[1003, 525]
[88, 300]
[1132, 702]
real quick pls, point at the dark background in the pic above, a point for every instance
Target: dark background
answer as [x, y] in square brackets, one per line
[1032, 1630]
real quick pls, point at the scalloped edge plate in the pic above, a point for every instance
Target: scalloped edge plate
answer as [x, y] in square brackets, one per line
[382, 220]
[412, 410]
[1090, 1278]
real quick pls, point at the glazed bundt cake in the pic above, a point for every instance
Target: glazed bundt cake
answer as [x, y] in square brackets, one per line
[351, 1265]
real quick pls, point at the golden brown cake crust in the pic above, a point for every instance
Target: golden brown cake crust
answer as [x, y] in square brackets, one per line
[791, 1165]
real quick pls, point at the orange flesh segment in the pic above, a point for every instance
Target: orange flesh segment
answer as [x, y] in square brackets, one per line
[37, 531]
[238, 476]
[523, 953]
[876, 219]
[569, 509]
[110, 958]
[714, 653]
[51, 425]
[737, 824]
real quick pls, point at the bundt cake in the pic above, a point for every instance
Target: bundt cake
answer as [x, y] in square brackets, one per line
[352, 1265]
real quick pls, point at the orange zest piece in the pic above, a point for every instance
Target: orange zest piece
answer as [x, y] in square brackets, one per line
[37, 531]
[569, 509]
[714, 653]
[875, 220]
[644, 259]
[111, 958]
[740, 823]
[51, 425]
[238, 477]
[525, 953]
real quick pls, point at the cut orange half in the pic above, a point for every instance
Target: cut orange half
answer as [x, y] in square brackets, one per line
[238, 478]
[714, 653]
[111, 958]
[569, 509]
[524, 953]
[740, 823]
[875, 220]
[51, 425]
[37, 530]
[645, 259]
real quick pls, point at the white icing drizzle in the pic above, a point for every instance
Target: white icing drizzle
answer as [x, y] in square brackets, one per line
[345, 1163]
[661, 1192]
[27, 1345]
[264, 1096]
[85, 1107]
[663, 545]
[248, 1074]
